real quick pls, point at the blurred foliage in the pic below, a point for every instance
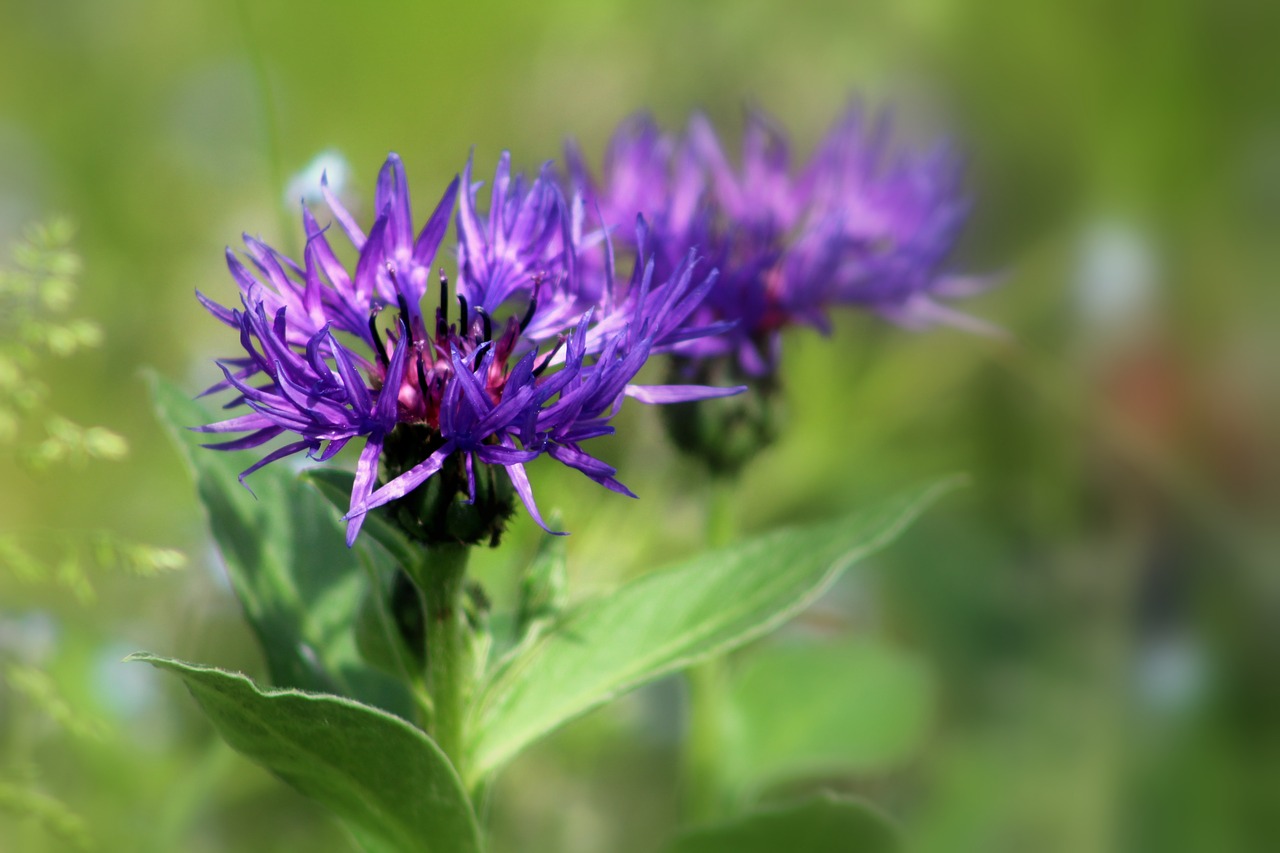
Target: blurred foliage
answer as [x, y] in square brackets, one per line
[35, 294]
[820, 825]
[806, 710]
[1098, 614]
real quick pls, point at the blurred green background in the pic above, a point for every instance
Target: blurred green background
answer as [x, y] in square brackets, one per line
[1096, 621]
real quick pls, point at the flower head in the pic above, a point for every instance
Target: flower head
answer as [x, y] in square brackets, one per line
[854, 226]
[535, 358]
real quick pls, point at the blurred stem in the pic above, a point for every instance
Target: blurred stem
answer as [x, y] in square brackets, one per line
[188, 796]
[439, 579]
[704, 742]
[707, 684]
[271, 127]
[722, 526]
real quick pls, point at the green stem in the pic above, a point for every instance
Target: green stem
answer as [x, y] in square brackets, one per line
[704, 742]
[184, 801]
[707, 683]
[440, 580]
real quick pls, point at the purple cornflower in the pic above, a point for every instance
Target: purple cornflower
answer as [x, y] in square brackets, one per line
[856, 225]
[538, 358]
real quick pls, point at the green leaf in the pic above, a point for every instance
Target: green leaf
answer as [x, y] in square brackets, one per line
[810, 710]
[286, 557]
[826, 824]
[386, 779]
[669, 619]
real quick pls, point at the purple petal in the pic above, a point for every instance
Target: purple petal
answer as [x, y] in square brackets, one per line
[520, 480]
[238, 424]
[662, 394]
[405, 483]
[366, 471]
[253, 439]
[345, 221]
[226, 315]
[392, 196]
[388, 398]
[424, 251]
[287, 450]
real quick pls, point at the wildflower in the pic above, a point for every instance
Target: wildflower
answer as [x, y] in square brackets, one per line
[855, 226]
[536, 360]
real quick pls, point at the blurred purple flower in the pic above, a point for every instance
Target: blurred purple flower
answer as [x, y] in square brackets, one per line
[857, 225]
[541, 353]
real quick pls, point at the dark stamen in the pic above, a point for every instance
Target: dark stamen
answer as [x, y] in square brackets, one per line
[404, 315]
[442, 313]
[422, 377]
[378, 349]
[533, 302]
[400, 300]
[546, 362]
[465, 323]
[528, 314]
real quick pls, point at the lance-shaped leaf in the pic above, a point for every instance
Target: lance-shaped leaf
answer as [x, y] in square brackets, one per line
[824, 824]
[284, 549]
[388, 782]
[669, 619]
